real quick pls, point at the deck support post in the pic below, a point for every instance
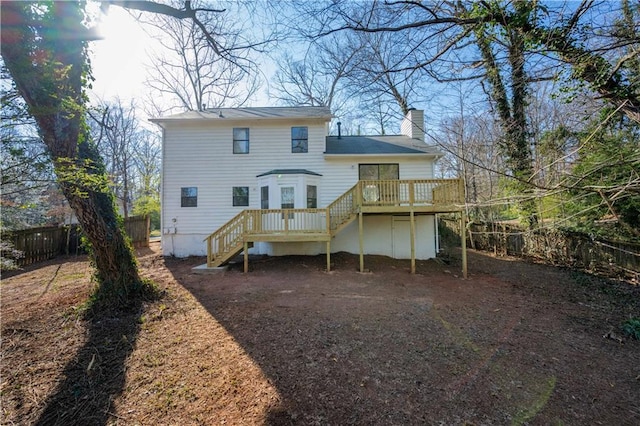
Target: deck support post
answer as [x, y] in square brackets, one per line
[413, 242]
[329, 256]
[246, 257]
[463, 238]
[361, 234]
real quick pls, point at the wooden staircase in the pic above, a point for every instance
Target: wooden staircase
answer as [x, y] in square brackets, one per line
[249, 226]
[227, 241]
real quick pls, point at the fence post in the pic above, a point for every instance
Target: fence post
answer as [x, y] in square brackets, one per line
[148, 237]
[463, 238]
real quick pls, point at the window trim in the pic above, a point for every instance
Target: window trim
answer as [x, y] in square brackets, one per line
[302, 149]
[247, 140]
[236, 198]
[315, 199]
[188, 200]
[264, 197]
[293, 205]
[378, 165]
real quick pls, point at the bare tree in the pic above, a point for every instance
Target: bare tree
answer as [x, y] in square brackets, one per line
[363, 76]
[320, 78]
[25, 165]
[147, 159]
[117, 135]
[132, 155]
[469, 138]
[187, 72]
[385, 75]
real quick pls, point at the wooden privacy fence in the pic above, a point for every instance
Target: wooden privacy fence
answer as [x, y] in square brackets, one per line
[559, 247]
[137, 228]
[38, 244]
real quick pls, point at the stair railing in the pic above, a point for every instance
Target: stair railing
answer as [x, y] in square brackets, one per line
[226, 238]
[343, 208]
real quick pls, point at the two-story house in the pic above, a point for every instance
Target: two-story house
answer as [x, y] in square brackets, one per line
[273, 181]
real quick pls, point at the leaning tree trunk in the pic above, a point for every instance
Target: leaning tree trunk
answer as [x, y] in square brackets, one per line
[44, 51]
[85, 186]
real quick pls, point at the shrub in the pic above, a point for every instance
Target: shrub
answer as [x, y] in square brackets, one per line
[8, 256]
[631, 328]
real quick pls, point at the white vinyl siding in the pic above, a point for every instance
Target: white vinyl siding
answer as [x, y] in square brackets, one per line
[197, 154]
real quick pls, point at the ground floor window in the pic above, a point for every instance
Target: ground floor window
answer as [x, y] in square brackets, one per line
[312, 197]
[287, 199]
[264, 197]
[189, 196]
[289, 189]
[240, 195]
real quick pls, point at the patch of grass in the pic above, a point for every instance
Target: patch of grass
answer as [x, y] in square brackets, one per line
[598, 285]
[544, 393]
[73, 276]
[631, 328]
[153, 360]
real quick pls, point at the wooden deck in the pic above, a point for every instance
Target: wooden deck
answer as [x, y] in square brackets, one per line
[411, 197]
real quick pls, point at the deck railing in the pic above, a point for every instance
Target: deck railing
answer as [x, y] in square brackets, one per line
[366, 193]
[285, 221]
[418, 192]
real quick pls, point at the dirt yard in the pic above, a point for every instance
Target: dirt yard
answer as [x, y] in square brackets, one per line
[290, 344]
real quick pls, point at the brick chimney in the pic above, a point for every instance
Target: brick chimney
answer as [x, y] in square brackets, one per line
[413, 124]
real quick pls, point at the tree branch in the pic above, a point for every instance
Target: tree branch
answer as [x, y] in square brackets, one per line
[162, 9]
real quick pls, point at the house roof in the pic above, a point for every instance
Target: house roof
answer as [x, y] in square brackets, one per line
[289, 172]
[257, 113]
[396, 144]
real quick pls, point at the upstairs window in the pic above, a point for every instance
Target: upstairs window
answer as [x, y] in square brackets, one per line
[241, 140]
[299, 139]
[240, 195]
[189, 196]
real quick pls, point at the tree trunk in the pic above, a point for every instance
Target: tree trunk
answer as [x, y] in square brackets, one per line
[94, 206]
[512, 115]
[44, 52]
